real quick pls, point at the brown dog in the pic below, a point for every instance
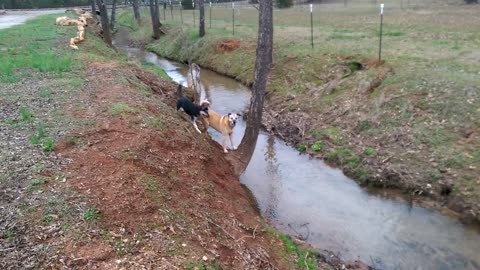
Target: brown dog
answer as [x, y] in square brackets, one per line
[221, 123]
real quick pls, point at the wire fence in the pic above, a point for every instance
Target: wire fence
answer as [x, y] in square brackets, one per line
[351, 28]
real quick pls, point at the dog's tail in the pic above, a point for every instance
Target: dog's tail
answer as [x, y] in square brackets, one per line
[179, 90]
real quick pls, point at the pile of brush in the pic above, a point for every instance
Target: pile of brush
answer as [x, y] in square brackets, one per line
[81, 23]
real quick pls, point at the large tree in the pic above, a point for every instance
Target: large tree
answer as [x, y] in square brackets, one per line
[104, 20]
[94, 10]
[155, 14]
[112, 18]
[136, 11]
[201, 8]
[263, 63]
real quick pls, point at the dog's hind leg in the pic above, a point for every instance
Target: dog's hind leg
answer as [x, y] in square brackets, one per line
[231, 141]
[195, 125]
[224, 141]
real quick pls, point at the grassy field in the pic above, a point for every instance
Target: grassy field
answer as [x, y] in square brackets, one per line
[411, 122]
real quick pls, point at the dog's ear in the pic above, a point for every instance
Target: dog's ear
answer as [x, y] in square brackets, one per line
[239, 114]
[229, 114]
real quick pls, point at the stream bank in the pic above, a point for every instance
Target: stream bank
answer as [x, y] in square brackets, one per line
[355, 114]
[309, 200]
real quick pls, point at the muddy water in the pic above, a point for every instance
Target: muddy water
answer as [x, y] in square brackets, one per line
[305, 197]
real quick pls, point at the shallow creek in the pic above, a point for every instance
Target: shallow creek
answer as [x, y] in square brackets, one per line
[305, 197]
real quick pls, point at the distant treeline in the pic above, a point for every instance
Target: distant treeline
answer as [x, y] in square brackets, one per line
[24, 4]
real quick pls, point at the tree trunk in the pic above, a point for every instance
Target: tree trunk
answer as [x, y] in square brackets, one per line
[201, 7]
[104, 19]
[262, 69]
[136, 12]
[94, 10]
[112, 18]
[155, 14]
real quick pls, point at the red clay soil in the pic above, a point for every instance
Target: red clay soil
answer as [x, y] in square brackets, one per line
[227, 45]
[167, 197]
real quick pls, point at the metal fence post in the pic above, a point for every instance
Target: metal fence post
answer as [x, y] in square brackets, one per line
[381, 26]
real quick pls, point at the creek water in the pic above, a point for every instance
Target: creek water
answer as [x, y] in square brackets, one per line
[305, 197]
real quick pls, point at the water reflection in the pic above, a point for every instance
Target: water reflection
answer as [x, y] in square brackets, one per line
[271, 169]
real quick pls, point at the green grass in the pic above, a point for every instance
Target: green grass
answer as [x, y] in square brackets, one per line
[303, 257]
[301, 147]
[157, 70]
[36, 138]
[369, 151]
[48, 145]
[332, 155]
[45, 93]
[30, 46]
[91, 214]
[151, 184]
[122, 108]
[352, 160]
[394, 34]
[25, 114]
[37, 182]
[47, 219]
[317, 146]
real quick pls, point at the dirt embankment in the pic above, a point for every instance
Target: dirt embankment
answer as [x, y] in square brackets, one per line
[166, 196]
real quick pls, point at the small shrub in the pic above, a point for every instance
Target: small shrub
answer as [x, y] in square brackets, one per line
[283, 3]
[187, 5]
[91, 214]
[354, 66]
[317, 146]
[301, 147]
[369, 151]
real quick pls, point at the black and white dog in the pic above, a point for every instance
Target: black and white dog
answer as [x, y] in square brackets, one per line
[190, 108]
